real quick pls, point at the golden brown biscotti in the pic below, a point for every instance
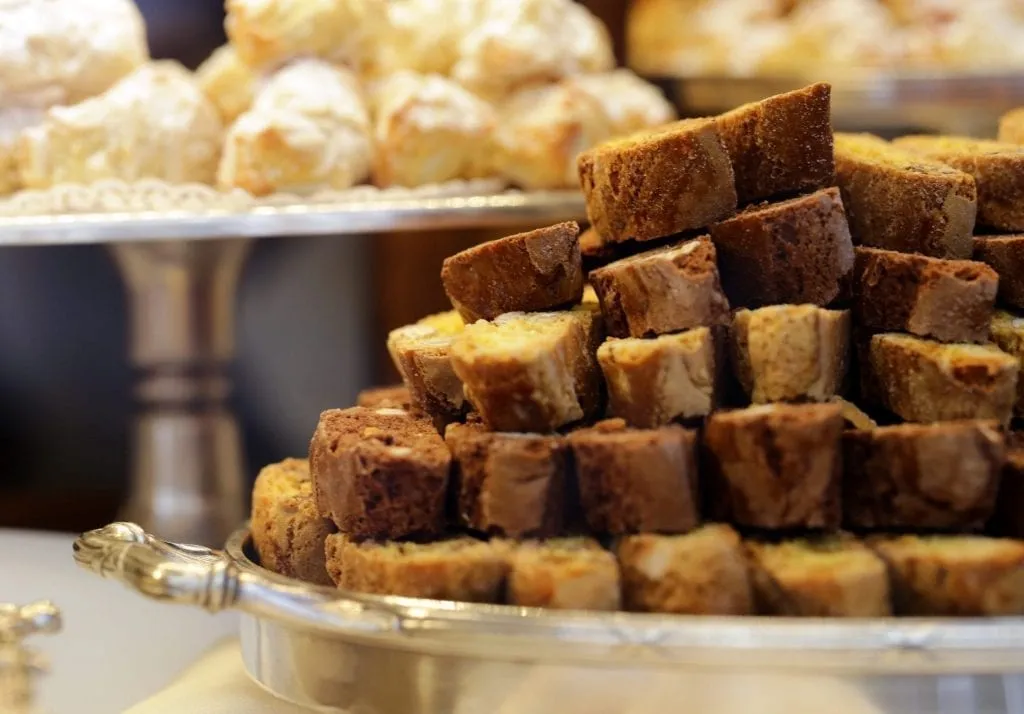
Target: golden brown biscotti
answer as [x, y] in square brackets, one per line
[947, 300]
[776, 466]
[701, 573]
[1009, 516]
[898, 200]
[923, 381]
[532, 372]
[652, 382]
[922, 476]
[564, 574]
[782, 144]
[829, 576]
[954, 575]
[526, 272]
[637, 481]
[396, 396]
[997, 168]
[793, 252]
[460, 569]
[379, 473]
[509, 484]
[1007, 332]
[1005, 255]
[663, 290]
[287, 530]
[1011, 126]
[658, 183]
[422, 355]
[785, 353]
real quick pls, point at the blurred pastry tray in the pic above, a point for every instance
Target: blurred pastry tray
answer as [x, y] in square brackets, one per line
[115, 212]
[961, 103]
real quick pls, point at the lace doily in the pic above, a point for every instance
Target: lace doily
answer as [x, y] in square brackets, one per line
[155, 196]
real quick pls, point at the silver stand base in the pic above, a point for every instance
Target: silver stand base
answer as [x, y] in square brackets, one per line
[188, 476]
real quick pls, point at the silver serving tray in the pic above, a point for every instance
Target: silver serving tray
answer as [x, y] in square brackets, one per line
[344, 652]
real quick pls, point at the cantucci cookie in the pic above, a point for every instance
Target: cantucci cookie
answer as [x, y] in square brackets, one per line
[899, 200]
[308, 130]
[829, 576]
[658, 183]
[427, 129]
[564, 574]
[922, 476]
[792, 252]
[790, 352]
[422, 355]
[532, 372]
[379, 473]
[701, 573]
[652, 382]
[459, 569]
[287, 530]
[924, 381]
[1005, 255]
[997, 168]
[637, 480]
[663, 290]
[1007, 332]
[526, 272]
[948, 300]
[155, 123]
[776, 466]
[782, 144]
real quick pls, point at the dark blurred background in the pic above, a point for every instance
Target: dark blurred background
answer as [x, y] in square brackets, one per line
[313, 314]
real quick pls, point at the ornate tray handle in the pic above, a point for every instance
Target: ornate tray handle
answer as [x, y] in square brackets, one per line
[210, 579]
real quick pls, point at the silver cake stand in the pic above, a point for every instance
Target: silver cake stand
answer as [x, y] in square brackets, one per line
[180, 250]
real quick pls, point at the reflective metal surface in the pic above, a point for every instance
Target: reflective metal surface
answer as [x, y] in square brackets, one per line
[20, 665]
[870, 100]
[384, 655]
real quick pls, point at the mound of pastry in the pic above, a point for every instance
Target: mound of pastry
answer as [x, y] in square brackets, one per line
[317, 95]
[786, 393]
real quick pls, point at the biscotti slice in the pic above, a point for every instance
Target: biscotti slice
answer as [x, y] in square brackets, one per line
[652, 382]
[663, 290]
[831, 576]
[922, 476]
[701, 573]
[898, 200]
[510, 484]
[777, 466]
[396, 396]
[1011, 126]
[954, 575]
[782, 144]
[564, 574]
[287, 530]
[1009, 517]
[379, 473]
[948, 300]
[788, 353]
[793, 252]
[923, 381]
[421, 353]
[658, 183]
[997, 168]
[1005, 255]
[532, 372]
[526, 272]
[1007, 332]
[460, 569]
[637, 481]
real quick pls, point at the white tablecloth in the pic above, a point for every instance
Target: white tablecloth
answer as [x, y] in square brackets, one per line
[117, 648]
